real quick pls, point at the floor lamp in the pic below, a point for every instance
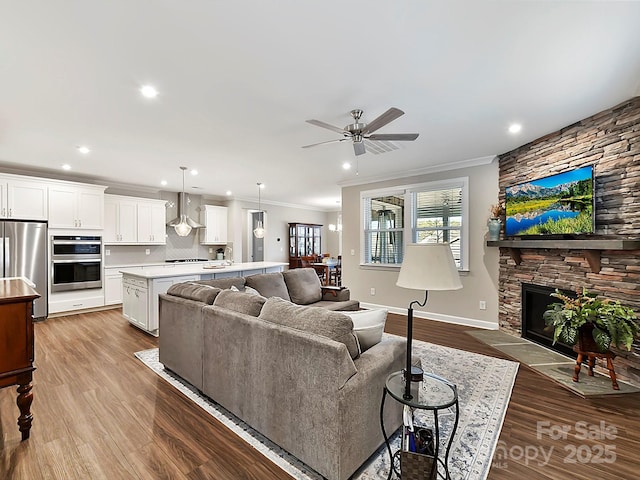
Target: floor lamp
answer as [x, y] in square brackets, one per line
[425, 266]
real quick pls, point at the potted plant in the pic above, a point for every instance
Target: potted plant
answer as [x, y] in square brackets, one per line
[592, 323]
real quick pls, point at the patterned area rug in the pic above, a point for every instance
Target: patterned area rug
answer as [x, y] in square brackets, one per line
[484, 389]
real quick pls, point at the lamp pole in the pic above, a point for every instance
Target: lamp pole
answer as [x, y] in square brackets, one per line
[408, 373]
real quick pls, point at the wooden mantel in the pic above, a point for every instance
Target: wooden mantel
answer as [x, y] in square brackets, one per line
[592, 248]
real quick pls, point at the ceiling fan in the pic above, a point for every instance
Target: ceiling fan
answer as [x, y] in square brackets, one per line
[362, 136]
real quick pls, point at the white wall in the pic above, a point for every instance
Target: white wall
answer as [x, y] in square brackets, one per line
[277, 218]
[480, 283]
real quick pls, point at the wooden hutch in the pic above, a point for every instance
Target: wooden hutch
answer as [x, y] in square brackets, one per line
[305, 239]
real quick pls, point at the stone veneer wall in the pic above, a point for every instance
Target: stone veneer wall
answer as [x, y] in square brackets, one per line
[609, 140]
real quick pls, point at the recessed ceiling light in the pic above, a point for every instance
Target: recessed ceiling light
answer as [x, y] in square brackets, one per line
[66, 166]
[228, 192]
[148, 91]
[194, 172]
[163, 183]
[346, 165]
[515, 128]
[83, 149]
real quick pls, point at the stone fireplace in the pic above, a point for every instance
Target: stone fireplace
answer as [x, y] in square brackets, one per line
[608, 262]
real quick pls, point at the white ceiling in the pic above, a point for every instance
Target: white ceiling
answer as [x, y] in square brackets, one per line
[238, 79]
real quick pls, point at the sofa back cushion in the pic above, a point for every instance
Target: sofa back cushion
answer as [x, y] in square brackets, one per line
[333, 325]
[194, 291]
[303, 285]
[240, 302]
[268, 285]
[224, 283]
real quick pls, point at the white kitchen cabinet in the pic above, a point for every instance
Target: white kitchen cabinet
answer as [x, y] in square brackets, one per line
[76, 206]
[140, 303]
[214, 218]
[23, 199]
[135, 301]
[120, 220]
[134, 221]
[152, 228]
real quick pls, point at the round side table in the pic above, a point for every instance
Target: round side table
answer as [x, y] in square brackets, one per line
[432, 393]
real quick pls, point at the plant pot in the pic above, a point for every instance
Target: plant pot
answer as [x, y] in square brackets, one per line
[586, 343]
[494, 225]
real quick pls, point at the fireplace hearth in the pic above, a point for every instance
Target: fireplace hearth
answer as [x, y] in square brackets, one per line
[535, 300]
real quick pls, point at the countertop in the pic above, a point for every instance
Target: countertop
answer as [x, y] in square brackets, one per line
[179, 269]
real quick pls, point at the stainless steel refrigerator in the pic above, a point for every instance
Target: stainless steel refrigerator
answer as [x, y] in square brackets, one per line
[23, 253]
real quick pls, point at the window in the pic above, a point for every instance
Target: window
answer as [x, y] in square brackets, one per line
[428, 212]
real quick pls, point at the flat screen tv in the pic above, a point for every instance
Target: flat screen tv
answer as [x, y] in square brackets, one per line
[561, 204]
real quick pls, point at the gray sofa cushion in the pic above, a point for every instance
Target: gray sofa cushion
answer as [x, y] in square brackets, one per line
[241, 302]
[224, 283]
[194, 291]
[269, 285]
[303, 285]
[333, 325]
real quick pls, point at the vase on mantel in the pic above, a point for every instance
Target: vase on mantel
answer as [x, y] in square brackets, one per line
[494, 224]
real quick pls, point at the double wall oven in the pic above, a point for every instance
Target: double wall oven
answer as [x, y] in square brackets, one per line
[76, 262]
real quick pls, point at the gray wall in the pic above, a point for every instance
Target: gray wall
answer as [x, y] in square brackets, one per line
[479, 283]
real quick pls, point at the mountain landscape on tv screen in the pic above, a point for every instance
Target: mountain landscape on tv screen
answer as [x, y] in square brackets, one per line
[560, 204]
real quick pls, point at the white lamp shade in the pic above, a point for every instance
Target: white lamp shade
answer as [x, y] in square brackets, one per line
[429, 266]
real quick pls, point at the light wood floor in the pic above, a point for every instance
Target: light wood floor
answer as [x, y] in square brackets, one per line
[100, 414]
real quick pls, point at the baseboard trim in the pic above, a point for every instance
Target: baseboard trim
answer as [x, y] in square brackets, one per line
[469, 322]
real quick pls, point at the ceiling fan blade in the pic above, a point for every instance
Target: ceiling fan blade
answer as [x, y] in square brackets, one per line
[387, 117]
[358, 148]
[323, 143]
[394, 136]
[319, 123]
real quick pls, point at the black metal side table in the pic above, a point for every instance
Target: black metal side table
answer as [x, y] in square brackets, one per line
[433, 393]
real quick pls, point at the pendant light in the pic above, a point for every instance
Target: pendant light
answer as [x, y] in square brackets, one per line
[183, 224]
[258, 232]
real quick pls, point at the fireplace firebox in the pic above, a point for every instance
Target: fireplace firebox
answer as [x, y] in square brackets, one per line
[535, 300]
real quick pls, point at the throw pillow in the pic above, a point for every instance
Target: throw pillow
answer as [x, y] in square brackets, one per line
[268, 284]
[194, 291]
[303, 285]
[368, 326]
[240, 302]
[330, 324]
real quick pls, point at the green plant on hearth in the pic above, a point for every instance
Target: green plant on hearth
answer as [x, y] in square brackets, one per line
[612, 324]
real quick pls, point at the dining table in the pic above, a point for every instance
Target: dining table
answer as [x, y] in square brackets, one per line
[325, 270]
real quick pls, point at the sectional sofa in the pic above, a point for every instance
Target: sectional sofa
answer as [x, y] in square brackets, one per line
[295, 373]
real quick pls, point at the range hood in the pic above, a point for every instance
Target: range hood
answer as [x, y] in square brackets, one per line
[183, 224]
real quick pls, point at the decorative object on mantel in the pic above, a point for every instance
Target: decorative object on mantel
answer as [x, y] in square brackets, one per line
[592, 325]
[495, 221]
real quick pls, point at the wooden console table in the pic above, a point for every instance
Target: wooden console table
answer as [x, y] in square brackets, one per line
[17, 341]
[592, 248]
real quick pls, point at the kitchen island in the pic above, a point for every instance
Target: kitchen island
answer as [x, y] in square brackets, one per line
[141, 286]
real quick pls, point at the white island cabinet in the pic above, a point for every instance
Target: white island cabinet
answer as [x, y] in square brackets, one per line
[141, 286]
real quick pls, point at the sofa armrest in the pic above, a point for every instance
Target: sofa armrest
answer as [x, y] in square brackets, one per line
[335, 294]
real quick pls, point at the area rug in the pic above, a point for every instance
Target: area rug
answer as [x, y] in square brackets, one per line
[484, 388]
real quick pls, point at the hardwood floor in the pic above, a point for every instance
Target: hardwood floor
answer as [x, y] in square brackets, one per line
[100, 414]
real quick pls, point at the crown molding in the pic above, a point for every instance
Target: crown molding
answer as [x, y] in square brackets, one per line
[443, 167]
